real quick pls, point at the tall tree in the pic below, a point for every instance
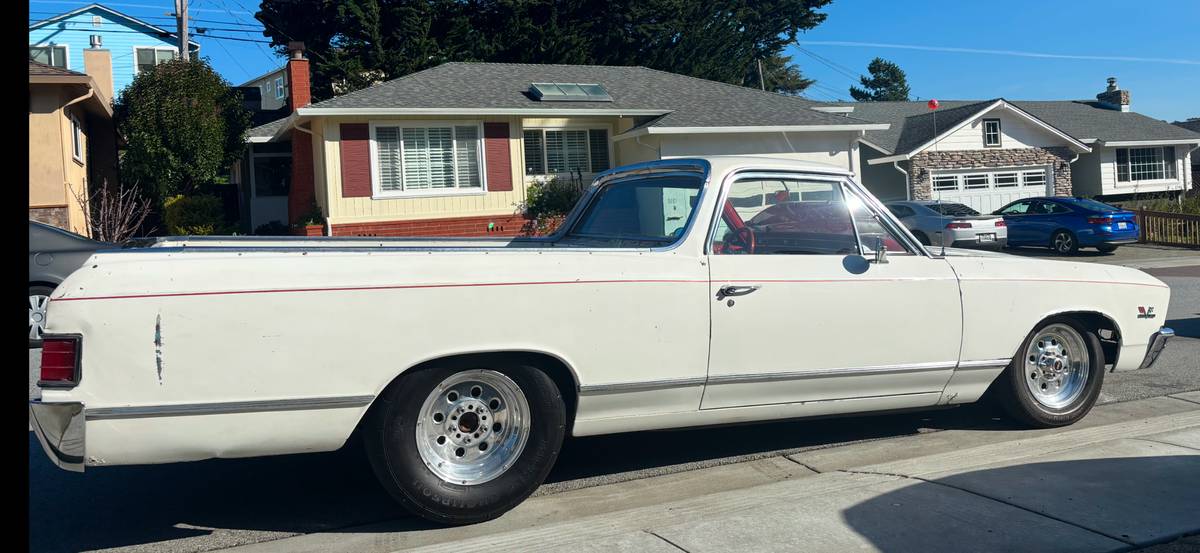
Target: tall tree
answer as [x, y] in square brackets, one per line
[354, 43]
[182, 124]
[887, 83]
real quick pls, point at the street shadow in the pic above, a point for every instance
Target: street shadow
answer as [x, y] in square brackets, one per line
[274, 497]
[1058, 506]
[1189, 328]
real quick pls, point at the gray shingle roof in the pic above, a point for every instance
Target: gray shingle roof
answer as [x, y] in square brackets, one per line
[1083, 120]
[691, 102]
[266, 130]
[42, 69]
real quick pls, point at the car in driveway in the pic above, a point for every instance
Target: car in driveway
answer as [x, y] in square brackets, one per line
[53, 254]
[681, 292]
[951, 224]
[1066, 224]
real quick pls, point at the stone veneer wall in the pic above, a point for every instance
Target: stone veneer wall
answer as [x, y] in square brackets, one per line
[920, 165]
[53, 216]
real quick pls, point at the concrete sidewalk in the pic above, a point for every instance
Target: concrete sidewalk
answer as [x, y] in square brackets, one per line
[1127, 476]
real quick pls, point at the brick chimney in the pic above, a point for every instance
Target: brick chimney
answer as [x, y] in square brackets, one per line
[1113, 97]
[298, 77]
[302, 193]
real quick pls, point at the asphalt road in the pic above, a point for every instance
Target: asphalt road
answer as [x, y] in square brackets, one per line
[221, 503]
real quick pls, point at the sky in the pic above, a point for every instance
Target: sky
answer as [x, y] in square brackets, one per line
[1020, 50]
[951, 50]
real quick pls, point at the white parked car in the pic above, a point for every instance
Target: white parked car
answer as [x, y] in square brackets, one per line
[660, 303]
[935, 222]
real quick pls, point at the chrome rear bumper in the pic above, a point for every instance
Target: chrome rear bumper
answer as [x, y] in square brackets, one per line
[59, 427]
[1157, 342]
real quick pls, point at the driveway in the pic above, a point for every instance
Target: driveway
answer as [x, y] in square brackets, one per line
[1141, 256]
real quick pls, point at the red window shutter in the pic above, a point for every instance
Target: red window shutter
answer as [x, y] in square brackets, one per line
[356, 160]
[499, 162]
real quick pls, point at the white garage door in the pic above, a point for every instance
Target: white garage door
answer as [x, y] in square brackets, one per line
[987, 191]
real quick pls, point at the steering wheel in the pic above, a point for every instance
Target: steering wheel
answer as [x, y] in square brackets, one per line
[743, 241]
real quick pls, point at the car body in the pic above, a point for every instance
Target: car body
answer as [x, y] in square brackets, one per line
[949, 223]
[1066, 224]
[54, 253]
[655, 305]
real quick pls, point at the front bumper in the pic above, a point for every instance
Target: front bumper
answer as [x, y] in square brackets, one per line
[1157, 342]
[60, 428]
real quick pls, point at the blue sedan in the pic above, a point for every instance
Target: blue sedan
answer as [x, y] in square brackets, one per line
[1067, 224]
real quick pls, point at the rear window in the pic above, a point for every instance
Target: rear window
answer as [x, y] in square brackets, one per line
[952, 209]
[1094, 205]
[650, 210]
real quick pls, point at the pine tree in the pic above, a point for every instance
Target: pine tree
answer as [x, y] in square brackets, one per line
[887, 83]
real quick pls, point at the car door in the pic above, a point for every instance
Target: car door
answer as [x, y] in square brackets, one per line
[1020, 219]
[798, 315]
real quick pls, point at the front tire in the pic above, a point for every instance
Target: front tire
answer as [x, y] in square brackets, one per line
[921, 237]
[465, 446]
[1056, 377]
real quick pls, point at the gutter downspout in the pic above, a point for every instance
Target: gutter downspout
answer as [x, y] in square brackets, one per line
[91, 92]
[638, 140]
[907, 185]
[1073, 160]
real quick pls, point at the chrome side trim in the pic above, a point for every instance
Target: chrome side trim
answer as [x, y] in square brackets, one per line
[187, 409]
[641, 386]
[984, 364]
[820, 373]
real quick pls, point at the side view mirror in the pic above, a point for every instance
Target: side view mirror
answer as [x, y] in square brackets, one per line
[880, 250]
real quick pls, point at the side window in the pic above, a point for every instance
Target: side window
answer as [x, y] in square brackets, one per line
[1055, 209]
[1019, 208]
[871, 231]
[785, 217]
[901, 211]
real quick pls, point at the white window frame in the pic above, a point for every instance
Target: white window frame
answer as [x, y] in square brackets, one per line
[279, 94]
[173, 49]
[535, 177]
[377, 192]
[1129, 161]
[77, 148]
[999, 133]
[66, 52]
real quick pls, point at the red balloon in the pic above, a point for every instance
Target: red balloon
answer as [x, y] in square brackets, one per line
[933, 104]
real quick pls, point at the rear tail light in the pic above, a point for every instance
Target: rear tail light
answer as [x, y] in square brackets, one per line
[1100, 220]
[958, 225]
[1001, 223]
[60, 362]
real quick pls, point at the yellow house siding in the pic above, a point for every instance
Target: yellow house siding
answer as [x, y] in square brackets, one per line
[343, 210]
[55, 176]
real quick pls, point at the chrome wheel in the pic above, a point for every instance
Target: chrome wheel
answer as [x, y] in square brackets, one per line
[1057, 366]
[37, 315]
[473, 427]
[1064, 242]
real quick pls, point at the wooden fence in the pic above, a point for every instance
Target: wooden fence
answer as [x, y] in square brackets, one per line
[1172, 229]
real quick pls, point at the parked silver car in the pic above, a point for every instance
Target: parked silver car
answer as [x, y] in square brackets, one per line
[951, 224]
[53, 254]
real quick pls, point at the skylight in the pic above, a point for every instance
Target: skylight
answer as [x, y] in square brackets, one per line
[569, 92]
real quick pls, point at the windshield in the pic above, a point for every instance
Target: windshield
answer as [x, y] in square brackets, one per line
[645, 211]
[952, 209]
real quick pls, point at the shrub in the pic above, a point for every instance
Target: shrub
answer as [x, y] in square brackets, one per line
[546, 203]
[274, 228]
[194, 215]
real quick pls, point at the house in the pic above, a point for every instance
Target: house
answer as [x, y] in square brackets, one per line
[452, 150]
[64, 41]
[72, 144]
[1193, 124]
[272, 89]
[988, 153]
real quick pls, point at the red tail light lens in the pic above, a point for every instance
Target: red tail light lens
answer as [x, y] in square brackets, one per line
[1100, 220]
[959, 225]
[60, 361]
[1001, 223]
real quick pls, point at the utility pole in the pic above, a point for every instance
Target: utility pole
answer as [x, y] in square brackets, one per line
[761, 83]
[181, 18]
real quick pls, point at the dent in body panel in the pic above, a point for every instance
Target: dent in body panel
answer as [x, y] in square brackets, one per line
[158, 343]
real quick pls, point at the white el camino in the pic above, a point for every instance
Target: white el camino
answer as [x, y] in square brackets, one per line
[678, 293]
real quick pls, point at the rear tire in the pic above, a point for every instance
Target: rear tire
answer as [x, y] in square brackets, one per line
[1106, 249]
[1064, 362]
[1064, 242]
[441, 443]
[921, 237]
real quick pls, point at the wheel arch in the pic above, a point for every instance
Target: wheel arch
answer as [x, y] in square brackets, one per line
[1097, 321]
[558, 369]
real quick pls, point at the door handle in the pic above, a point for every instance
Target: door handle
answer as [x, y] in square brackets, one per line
[731, 290]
